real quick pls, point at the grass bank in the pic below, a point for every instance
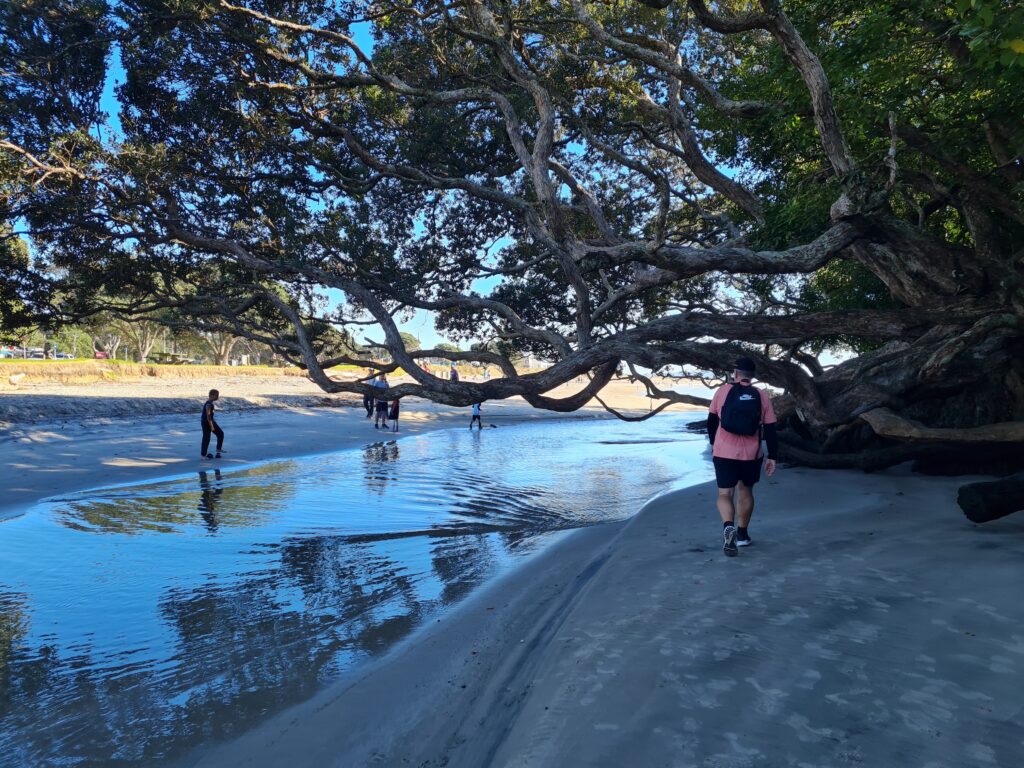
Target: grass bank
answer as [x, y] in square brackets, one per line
[87, 371]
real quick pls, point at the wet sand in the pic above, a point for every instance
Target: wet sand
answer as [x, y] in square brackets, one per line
[870, 624]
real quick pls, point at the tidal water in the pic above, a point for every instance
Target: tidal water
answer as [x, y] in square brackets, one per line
[140, 621]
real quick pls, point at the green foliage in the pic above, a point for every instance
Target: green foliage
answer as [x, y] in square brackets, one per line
[244, 132]
[410, 341]
[845, 285]
[994, 33]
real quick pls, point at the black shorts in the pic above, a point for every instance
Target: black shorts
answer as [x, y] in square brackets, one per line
[728, 472]
[382, 408]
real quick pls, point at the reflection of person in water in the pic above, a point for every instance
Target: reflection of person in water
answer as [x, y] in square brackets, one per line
[379, 458]
[208, 497]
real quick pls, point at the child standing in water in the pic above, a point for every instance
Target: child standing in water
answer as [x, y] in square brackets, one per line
[476, 417]
[209, 424]
[394, 416]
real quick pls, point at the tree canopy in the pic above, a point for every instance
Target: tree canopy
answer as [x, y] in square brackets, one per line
[640, 186]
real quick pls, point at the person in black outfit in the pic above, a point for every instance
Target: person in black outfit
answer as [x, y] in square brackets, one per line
[210, 426]
[368, 400]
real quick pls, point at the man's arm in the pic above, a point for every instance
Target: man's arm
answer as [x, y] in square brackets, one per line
[771, 437]
[713, 422]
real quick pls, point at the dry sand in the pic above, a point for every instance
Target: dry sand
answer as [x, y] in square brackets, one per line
[54, 402]
[869, 625]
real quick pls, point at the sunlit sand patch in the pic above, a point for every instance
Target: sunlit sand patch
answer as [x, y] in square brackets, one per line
[140, 462]
[43, 437]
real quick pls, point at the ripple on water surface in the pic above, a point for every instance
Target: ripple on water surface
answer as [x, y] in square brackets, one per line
[140, 621]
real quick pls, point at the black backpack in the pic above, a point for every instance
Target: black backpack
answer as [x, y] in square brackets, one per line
[741, 411]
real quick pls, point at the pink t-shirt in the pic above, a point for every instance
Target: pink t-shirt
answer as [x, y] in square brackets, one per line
[742, 447]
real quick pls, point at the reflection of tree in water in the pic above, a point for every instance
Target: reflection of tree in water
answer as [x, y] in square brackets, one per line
[241, 647]
[462, 562]
[247, 500]
[13, 625]
[380, 464]
[241, 650]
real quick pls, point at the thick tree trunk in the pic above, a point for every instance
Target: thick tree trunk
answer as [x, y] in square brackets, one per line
[951, 400]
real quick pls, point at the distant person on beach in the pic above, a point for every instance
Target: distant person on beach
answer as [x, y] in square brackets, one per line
[209, 424]
[368, 398]
[454, 375]
[394, 415]
[740, 415]
[381, 419]
[476, 417]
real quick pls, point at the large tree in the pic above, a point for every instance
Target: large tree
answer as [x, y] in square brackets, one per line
[644, 187]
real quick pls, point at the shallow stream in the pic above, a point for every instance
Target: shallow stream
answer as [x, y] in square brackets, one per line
[140, 621]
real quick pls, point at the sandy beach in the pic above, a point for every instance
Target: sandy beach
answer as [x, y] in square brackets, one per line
[870, 624]
[56, 438]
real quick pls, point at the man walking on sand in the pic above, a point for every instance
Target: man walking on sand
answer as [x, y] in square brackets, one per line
[210, 425]
[739, 415]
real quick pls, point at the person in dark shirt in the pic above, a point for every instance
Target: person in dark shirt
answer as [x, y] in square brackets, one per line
[393, 414]
[209, 424]
[381, 408]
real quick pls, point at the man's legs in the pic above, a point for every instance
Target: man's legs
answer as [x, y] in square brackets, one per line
[744, 504]
[206, 440]
[220, 436]
[725, 477]
[725, 510]
[725, 505]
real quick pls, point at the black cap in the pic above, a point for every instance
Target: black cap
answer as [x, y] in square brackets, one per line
[745, 364]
